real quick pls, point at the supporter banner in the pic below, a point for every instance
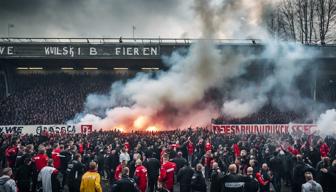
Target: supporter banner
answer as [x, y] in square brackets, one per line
[79, 50]
[264, 128]
[38, 129]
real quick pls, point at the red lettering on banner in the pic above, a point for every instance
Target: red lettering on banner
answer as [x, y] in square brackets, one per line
[263, 128]
[215, 128]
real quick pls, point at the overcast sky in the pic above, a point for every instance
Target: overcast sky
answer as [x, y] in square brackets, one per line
[98, 18]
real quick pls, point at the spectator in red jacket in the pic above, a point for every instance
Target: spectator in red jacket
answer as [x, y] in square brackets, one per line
[264, 178]
[208, 146]
[41, 159]
[117, 174]
[55, 155]
[11, 153]
[293, 150]
[167, 173]
[236, 150]
[140, 175]
[324, 149]
[190, 148]
[127, 146]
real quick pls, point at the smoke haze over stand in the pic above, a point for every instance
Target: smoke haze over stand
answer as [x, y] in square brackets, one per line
[176, 98]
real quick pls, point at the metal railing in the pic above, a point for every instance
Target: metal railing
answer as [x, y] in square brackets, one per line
[124, 40]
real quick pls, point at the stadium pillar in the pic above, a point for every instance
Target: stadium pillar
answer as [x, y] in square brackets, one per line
[6, 85]
[8, 77]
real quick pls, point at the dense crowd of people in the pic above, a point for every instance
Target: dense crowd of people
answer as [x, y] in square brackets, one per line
[180, 160]
[45, 98]
[189, 160]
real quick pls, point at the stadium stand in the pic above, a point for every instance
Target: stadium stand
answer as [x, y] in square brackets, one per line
[46, 98]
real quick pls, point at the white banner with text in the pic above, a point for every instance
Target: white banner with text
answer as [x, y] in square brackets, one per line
[264, 128]
[38, 129]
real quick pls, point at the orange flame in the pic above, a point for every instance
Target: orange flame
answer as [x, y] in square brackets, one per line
[152, 129]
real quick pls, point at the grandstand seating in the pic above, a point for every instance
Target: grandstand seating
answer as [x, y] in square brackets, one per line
[53, 98]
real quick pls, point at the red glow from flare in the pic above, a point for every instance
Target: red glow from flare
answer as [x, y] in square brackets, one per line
[152, 129]
[140, 122]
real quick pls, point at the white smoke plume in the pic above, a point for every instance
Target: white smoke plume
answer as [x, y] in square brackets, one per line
[176, 98]
[173, 93]
[327, 123]
[285, 59]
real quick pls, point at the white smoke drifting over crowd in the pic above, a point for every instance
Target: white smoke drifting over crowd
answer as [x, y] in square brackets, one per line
[327, 123]
[177, 98]
[284, 58]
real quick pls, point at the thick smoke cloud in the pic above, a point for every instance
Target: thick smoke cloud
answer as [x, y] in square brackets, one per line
[172, 99]
[178, 97]
[327, 123]
[278, 87]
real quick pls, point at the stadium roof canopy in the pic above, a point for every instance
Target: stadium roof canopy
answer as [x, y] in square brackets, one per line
[111, 53]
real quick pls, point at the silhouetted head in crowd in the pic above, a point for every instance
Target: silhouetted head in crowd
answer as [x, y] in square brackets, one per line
[125, 171]
[138, 162]
[299, 158]
[7, 171]
[78, 157]
[50, 162]
[232, 169]
[199, 167]
[165, 158]
[308, 176]
[215, 165]
[41, 150]
[249, 171]
[264, 167]
[92, 166]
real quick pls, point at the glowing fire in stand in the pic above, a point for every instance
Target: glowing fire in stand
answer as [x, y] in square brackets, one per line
[152, 129]
[141, 123]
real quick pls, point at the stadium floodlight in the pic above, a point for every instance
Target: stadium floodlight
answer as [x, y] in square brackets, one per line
[35, 68]
[90, 68]
[22, 68]
[120, 68]
[67, 68]
[150, 68]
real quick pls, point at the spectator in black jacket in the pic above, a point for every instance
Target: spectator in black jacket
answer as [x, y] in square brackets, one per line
[24, 175]
[251, 183]
[179, 161]
[322, 175]
[125, 183]
[233, 182]
[113, 162]
[65, 157]
[184, 178]
[332, 175]
[198, 183]
[215, 178]
[298, 174]
[75, 172]
[153, 166]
